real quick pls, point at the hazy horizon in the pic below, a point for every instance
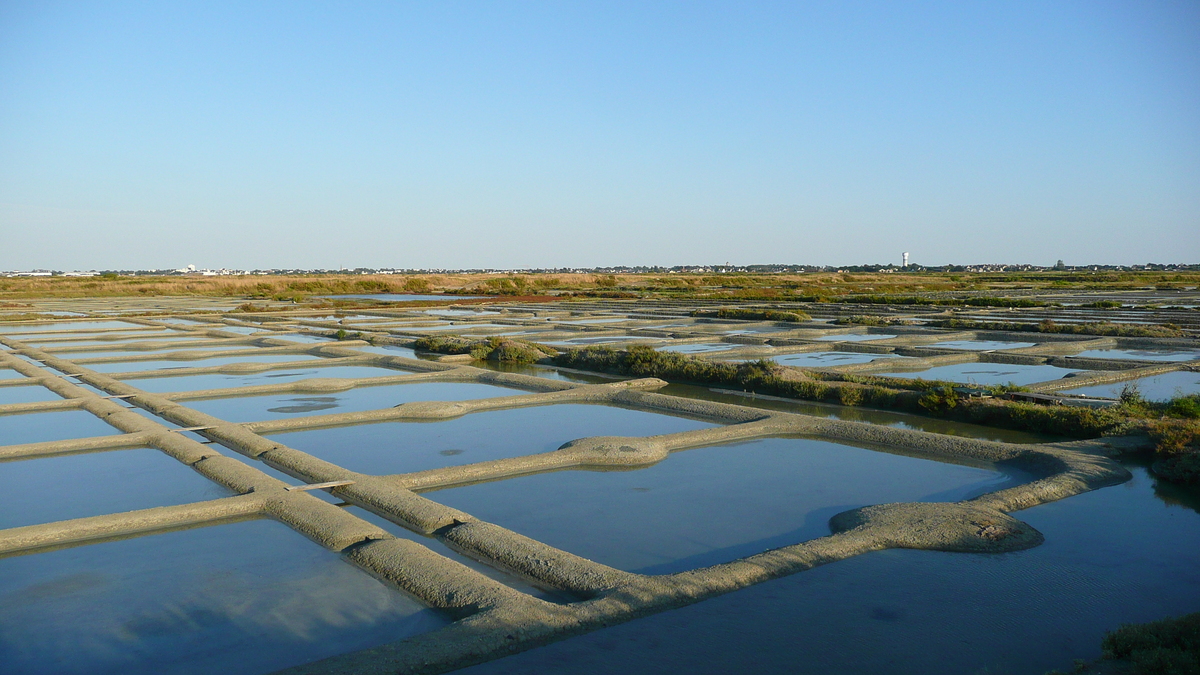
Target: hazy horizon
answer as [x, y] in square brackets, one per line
[454, 135]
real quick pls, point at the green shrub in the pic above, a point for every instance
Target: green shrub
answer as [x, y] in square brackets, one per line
[1167, 647]
[753, 314]
[502, 350]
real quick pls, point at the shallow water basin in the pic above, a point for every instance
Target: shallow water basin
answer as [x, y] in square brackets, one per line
[30, 393]
[259, 408]
[988, 373]
[195, 382]
[1142, 354]
[1122, 554]
[406, 447]
[699, 347]
[980, 345]
[134, 366]
[66, 325]
[47, 489]
[51, 426]
[854, 337]
[819, 359]
[1154, 388]
[709, 505]
[248, 597]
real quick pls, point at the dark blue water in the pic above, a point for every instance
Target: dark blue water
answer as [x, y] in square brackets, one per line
[709, 505]
[405, 447]
[243, 598]
[1129, 553]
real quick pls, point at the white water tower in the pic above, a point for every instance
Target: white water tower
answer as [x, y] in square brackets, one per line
[904, 259]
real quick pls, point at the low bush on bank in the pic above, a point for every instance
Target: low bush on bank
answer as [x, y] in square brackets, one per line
[871, 320]
[498, 349]
[1105, 328]
[753, 314]
[1167, 647]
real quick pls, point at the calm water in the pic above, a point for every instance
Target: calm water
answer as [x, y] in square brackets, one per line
[66, 325]
[979, 345]
[853, 337]
[698, 347]
[243, 598]
[195, 382]
[1129, 553]
[709, 505]
[132, 366]
[405, 447]
[258, 408]
[1142, 354]
[10, 374]
[1155, 388]
[77, 486]
[988, 373]
[814, 359]
[34, 393]
[51, 426]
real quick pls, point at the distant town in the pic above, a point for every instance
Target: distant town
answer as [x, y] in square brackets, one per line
[192, 270]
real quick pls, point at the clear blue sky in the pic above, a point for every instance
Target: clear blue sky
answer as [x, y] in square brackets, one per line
[489, 134]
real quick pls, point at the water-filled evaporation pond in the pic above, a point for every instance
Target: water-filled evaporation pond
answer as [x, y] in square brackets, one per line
[66, 325]
[259, 408]
[132, 366]
[815, 359]
[607, 319]
[195, 382]
[29, 393]
[1154, 388]
[406, 447]
[710, 505]
[10, 374]
[550, 373]
[1124, 554]
[980, 345]
[854, 337]
[388, 350]
[51, 426]
[460, 312]
[1142, 354]
[988, 373]
[242, 598]
[165, 353]
[699, 347]
[77, 486]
